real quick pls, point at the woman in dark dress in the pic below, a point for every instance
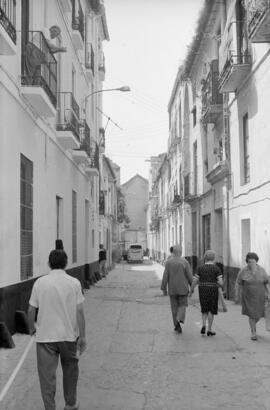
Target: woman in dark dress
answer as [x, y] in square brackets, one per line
[209, 278]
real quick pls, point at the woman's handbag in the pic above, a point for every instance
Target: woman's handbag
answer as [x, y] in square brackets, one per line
[267, 315]
[221, 301]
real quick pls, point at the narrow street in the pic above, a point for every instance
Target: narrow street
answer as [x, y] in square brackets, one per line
[135, 360]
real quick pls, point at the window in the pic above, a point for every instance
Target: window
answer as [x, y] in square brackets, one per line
[245, 145]
[194, 115]
[195, 167]
[181, 236]
[92, 102]
[59, 217]
[74, 226]
[26, 230]
[194, 232]
[206, 232]
[186, 186]
[173, 240]
[93, 238]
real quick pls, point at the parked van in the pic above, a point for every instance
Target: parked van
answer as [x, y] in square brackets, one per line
[135, 253]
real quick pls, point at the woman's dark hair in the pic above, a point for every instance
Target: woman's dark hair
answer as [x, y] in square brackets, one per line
[252, 255]
[171, 249]
[58, 259]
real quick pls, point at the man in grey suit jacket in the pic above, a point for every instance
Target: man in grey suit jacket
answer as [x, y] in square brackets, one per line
[177, 278]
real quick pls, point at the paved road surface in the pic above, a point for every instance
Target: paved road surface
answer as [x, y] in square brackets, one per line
[135, 360]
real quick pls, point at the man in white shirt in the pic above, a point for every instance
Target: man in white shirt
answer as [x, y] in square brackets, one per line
[60, 329]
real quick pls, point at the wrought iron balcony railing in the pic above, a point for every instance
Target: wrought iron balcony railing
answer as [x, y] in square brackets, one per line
[8, 17]
[234, 57]
[94, 155]
[101, 63]
[78, 17]
[258, 20]
[86, 143]
[102, 139]
[90, 57]
[68, 114]
[211, 97]
[234, 72]
[39, 66]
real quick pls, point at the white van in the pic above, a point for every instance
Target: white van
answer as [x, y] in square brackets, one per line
[135, 253]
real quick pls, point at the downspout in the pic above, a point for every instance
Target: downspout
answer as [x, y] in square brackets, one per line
[226, 119]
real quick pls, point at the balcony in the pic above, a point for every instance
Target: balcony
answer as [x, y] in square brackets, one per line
[92, 168]
[80, 156]
[234, 57]
[85, 145]
[219, 172]
[68, 121]
[101, 140]
[96, 6]
[175, 202]
[211, 98]
[39, 74]
[259, 23]
[7, 27]
[177, 199]
[234, 73]
[77, 25]
[89, 61]
[101, 67]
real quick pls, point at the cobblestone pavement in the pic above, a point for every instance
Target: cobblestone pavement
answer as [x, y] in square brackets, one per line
[135, 360]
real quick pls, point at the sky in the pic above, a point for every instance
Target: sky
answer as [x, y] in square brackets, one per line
[148, 42]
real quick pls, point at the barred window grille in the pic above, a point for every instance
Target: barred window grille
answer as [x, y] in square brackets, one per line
[26, 223]
[74, 226]
[246, 158]
[206, 232]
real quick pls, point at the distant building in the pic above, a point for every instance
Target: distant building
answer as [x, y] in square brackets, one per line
[135, 191]
[108, 224]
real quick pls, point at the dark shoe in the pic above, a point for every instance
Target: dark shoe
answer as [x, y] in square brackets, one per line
[203, 330]
[210, 333]
[75, 407]
[254, 337]
[178, 328]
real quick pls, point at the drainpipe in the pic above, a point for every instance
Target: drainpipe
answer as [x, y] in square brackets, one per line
[226, 118]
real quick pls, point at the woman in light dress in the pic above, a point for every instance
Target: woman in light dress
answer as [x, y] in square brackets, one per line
[252, 290]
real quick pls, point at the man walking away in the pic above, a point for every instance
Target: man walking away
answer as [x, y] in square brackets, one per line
[102, 261]
[177, 278]
[60, 329]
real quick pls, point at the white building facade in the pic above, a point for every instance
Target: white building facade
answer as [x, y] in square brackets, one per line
[49, 145]
[218, 138]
